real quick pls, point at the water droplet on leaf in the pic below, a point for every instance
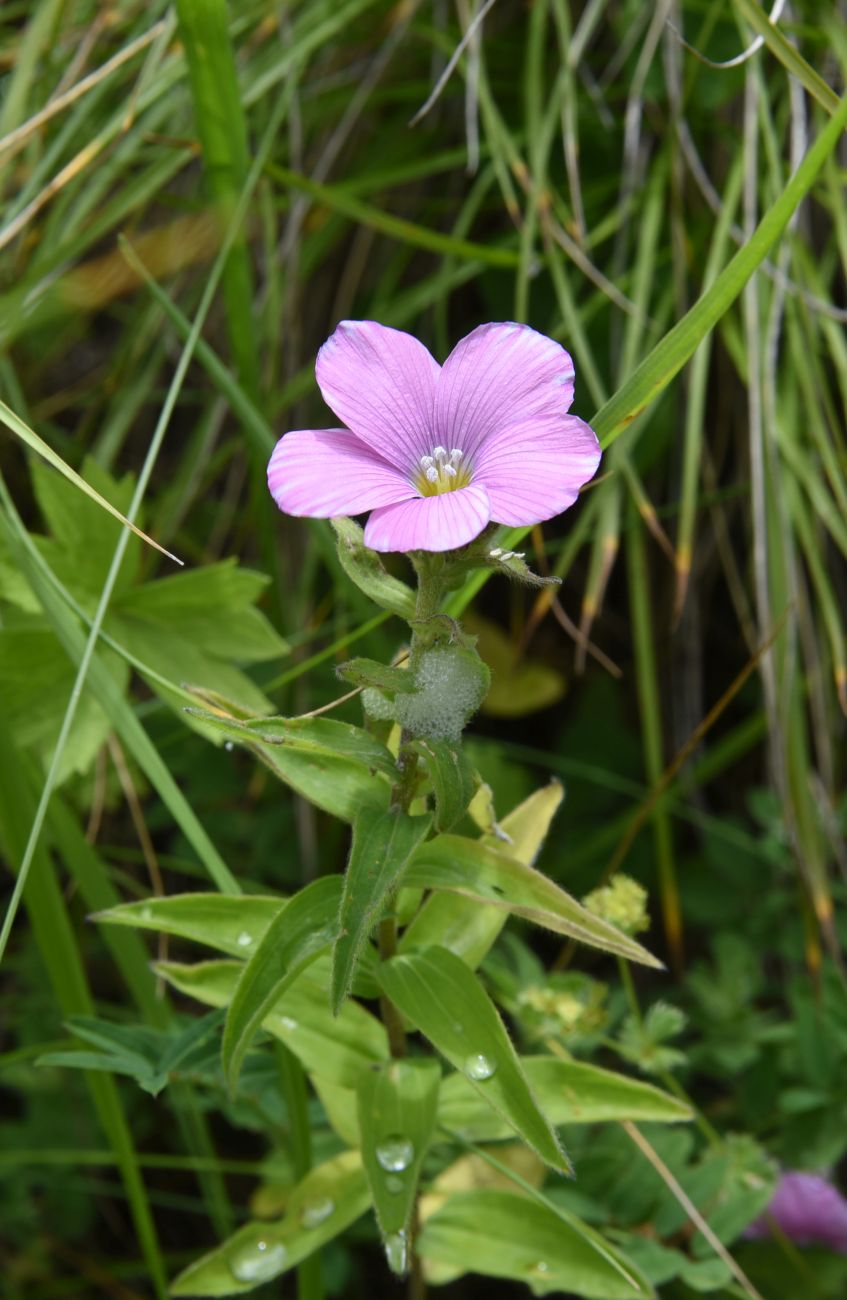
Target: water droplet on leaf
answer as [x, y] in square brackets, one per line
[258, 1261]
[479, 1067]
[397, 1252]
[287, 1022]
[229, 746]
[394, 1185]
[244, 939]
[395, 1154]
[314, 1212]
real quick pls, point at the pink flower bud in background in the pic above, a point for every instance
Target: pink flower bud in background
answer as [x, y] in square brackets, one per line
[808, 1209]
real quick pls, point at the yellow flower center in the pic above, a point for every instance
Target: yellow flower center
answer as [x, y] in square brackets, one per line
[442, 471]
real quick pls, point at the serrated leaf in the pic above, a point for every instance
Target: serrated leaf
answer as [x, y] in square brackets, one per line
[569, 1092]
[337, 1048]
[232, 923]
[464, 925]
[397, 1105]
[364, 567]
[501, 1234]
[453, 776]
[297, 935]
[477, 869]
[383, 843]
[443, 998]
[323, 1204]
[384, 677]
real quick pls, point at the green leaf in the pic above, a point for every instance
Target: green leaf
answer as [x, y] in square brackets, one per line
[298, 933]
[383, 843]
[454, 779]
[215, 606]
[501, 1234]
[397, 1106]
[334, 765]
[443, 998]
[364, 567]
[464, 925]
[232, 923]
[569, 1092]
[384, 677]
[322, 1205]
[474, 868]
[337, 1048]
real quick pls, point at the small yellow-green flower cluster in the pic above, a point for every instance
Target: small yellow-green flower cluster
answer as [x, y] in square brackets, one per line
[623, 903]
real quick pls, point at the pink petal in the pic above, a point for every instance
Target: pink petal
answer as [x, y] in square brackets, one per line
[326, 472]
[534, 470]
[808, 1209]
[439, 523]
[498, 376]
[380, 382]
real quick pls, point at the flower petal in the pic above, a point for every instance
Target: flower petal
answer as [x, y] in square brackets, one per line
[499, 375]
[439, 523]
[534, 470]
[381, 383]
[326, 472]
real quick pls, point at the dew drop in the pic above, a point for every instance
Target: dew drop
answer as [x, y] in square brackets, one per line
[146, 914]
[540, 1267]
[229, 746]
[314, 1212]
[244, 939]
[479, 1067]
[288, 1023]
[397, 1251]
[258, 1262]
[395, 1154]
[394, 1185]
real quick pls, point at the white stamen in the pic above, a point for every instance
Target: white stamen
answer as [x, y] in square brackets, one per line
[456, 455]
[439, 452]
[432, 474]
[450, 470]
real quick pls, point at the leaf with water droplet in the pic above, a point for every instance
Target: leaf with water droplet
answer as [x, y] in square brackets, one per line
[298, 934]
[438, 992]
[397, 1106]
[569, 1092]
[479, 1067]
[323, 1204]
[216, 920]
[397, 1252]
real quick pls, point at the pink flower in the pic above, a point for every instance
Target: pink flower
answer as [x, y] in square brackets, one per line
[808, 1209]
[437, 452]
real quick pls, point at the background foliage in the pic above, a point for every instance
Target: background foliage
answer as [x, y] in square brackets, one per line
[191, 199]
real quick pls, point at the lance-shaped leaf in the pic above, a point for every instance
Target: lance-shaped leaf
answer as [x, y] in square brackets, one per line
[474, 868]
[337, 1048]
[501, 1234]
[464, 925]
[443, 998]
[304, 928]
[364, 567]
[397, 1106]
[328, 1200]
[383, 843]
[569, 1092]
[453, 776]
[336, 766]
[232, 923]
